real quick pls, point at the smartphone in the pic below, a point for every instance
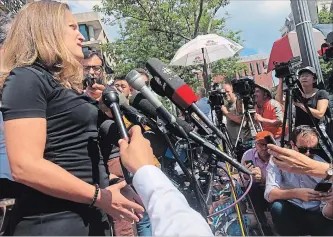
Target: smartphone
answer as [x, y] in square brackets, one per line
[323, 187]
[249, 162]
[270, 140]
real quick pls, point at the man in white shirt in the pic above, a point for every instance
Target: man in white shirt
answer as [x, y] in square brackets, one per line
[168, 210]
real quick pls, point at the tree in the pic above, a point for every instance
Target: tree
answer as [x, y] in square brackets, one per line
[159, 28]
[325, 16]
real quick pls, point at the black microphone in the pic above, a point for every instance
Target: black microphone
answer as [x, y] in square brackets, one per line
[133, 115]
[110, 98]
[177, 91]
[206, 144]
[138, 101]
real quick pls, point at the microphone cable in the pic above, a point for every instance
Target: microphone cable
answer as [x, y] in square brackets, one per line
[235, 203]
[197, 188]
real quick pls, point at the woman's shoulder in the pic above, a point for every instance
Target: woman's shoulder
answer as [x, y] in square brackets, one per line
[322, 94]
[28, 76]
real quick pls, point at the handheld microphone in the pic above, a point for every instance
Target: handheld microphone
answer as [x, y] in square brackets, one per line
[110, 98]
[136, 81]
[206, 144]
[178, 91]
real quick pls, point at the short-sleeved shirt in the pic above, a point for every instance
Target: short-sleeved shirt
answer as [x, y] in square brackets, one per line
[273, 110]
[72, 121]
[253, 155]
[233, 127]
[303, 118]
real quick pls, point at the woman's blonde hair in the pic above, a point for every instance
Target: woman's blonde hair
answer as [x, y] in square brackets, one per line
[37, 34]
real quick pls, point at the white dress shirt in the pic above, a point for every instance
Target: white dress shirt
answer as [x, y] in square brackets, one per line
[168, 210]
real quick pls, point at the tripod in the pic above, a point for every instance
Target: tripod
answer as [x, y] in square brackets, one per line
[247, 117]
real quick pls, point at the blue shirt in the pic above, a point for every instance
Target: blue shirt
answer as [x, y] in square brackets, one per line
[4, 164]
[204, 106]
[276, 178]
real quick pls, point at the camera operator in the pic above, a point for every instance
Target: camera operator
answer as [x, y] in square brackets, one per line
[233, 114]
[316, 99]
[269, 112]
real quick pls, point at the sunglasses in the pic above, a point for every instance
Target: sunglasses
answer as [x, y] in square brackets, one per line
[311, 150]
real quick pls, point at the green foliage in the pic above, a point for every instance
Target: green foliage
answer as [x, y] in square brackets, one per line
[325, 16]
[228, 68]
[159, 28]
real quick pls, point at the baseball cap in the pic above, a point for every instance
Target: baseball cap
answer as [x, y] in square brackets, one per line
[308, 69]
[261, 135]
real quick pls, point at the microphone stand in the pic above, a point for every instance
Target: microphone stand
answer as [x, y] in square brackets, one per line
[188, 175]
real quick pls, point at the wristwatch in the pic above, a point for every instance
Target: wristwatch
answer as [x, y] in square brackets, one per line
[329, 172]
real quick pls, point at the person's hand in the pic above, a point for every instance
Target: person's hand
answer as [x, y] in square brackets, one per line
[95, 91]
[258, 117]
[256, 173]
[138, 153]
[299, 105]
[116, 205]
[221, 201]
[326, 197]
[290, 160]
[224, 109]
[306, 194]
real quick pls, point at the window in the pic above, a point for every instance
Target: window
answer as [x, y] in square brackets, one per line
[246, 71]
[258, 67]
[253, 72]
[83, 28]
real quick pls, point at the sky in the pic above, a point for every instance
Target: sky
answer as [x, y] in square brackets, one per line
[258, 21]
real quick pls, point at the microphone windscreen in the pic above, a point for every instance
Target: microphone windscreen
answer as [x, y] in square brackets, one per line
[185, 125]
[156, 85]
[108, 137]
[139, 102]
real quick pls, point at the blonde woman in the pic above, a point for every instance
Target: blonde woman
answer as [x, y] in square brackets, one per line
[51, 130]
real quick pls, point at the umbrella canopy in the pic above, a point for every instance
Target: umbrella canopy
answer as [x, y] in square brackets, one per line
[287, 48]
[214, 47]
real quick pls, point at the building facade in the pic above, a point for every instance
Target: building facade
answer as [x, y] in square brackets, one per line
[91, 27]
[256, 67]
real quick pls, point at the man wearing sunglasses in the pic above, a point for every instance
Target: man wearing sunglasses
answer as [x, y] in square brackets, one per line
[296, 207]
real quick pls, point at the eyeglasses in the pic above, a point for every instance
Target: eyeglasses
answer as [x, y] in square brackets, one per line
[95, 68]
[311, 150]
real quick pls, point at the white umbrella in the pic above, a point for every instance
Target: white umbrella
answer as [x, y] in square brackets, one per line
[205, 49]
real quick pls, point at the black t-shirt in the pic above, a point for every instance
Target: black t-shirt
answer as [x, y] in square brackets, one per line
[303, 118]
[72, 132]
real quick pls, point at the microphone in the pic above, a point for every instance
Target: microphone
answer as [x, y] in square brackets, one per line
[206, 144]
[136, 81]
[133, 115]
[110, 98]
[178, 91]
[138, 101]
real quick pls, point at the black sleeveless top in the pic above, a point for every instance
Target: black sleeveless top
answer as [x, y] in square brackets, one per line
[72, 132]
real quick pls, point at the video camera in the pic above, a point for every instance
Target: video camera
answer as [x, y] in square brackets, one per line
[215, 95]
[287, 69]
[244, 89]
